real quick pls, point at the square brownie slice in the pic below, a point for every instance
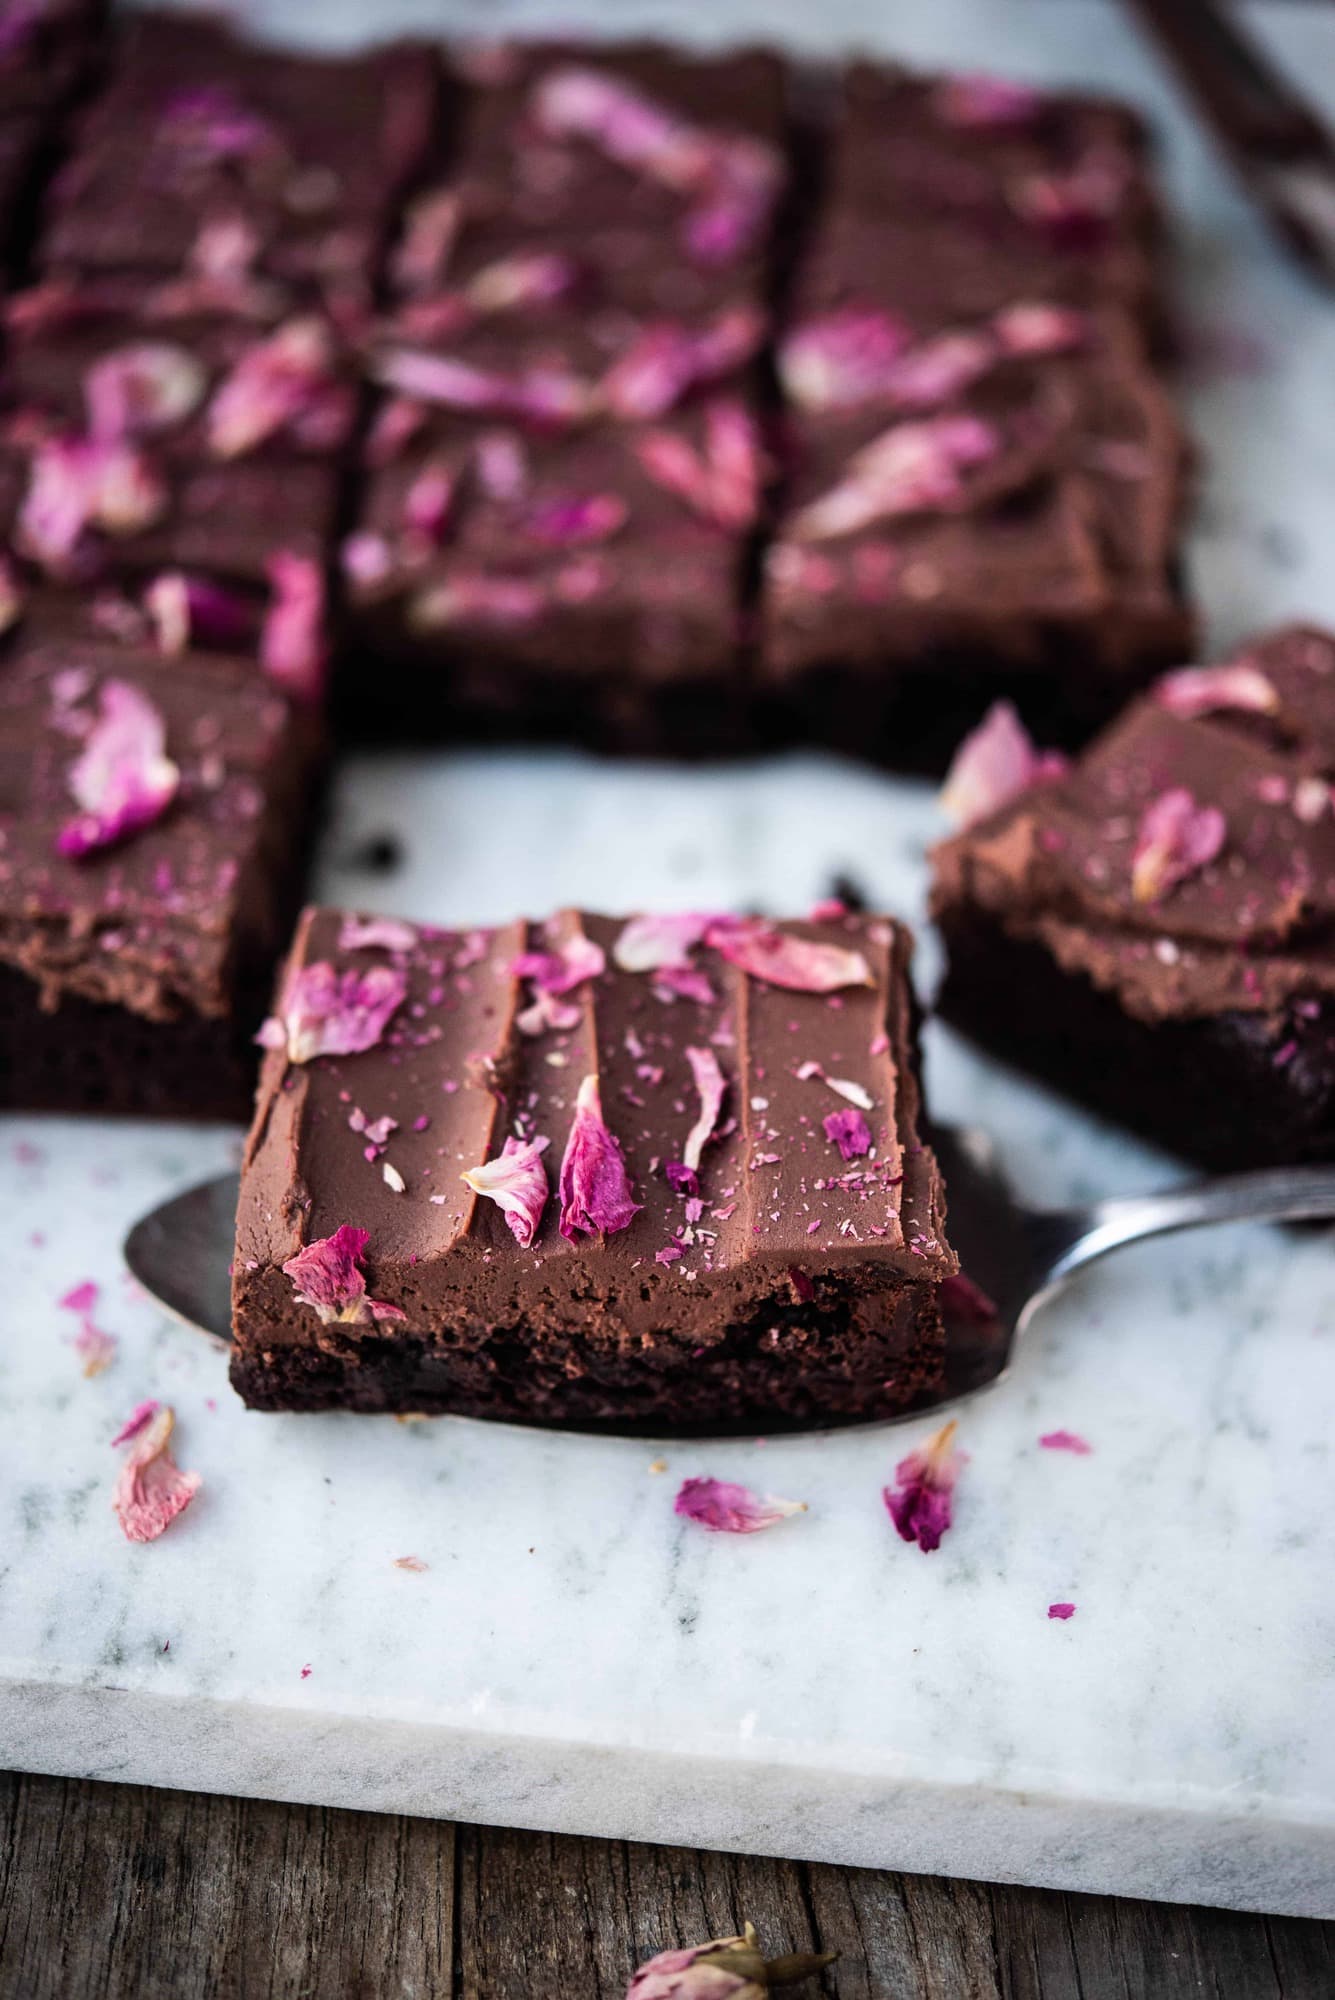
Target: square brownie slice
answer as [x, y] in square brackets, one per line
[664, 1173]
[1152, 929]
[204, 150]
[154, 818]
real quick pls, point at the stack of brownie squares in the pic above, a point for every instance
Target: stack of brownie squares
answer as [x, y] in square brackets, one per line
[179, 400]
[565, 473]
[985, 472]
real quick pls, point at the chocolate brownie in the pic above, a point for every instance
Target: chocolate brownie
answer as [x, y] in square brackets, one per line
[533, 584]
[154, 818]
[660, 1174]
[1153, 928]
[208, 152]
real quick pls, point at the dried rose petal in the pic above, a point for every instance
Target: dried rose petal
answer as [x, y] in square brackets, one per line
[563, 966]
[365, 557]
[327, 1275]
[681, 1178]
[730, 1968]
[193, 611]
[993, 765]
[140, 1416]
[594, 1186]
[429, 503]
[124, 779]
[919, 1503]
[649, 943]
[683, 982]
[1193, 691]
[516, 1181]
[710, 1083]
[577, 103]
[1061, 1611]
[940, 370]
[547, 1012]
[543, 395]
[724, 484]
[13, 598]
[1073, 210]
[962, 1299]
[986, 103]
[1176, 839]
[528, 278]
[911, 468]
[728, 1509]
[80, 483]
[581, 518]
[799, 964]
[430, 230]
[741, 180]
[293, 648]
[395, 424]
[842, 358]
[329, 1013]
[1032, 328]
[288, 381]
[376, 934]
[151, 1489]
[1066, 1441]
[95, 1348]
[142, 389]
[668, 359]
[849, 1131]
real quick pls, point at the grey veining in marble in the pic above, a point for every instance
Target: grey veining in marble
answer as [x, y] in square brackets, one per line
[574, 1657]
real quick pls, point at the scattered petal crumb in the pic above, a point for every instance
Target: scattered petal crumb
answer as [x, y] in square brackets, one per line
[410, 1562]
[728, 1509]
[1061, 1611]
[658, 1465]
[140, 1415]
[919, 1503]
[306, 1673]
[1066, 1441]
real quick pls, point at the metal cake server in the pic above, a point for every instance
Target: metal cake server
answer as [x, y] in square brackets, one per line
[1017, 1258]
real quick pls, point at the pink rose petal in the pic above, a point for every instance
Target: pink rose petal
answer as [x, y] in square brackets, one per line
[327, 1275]
[919, 1503]
[941, 369]
[542, 395]
[1066, 1441]
[293, 648]
[287, 382]
[728, 1509]
[711, 1085]
[843, 358]
[430, 230]
[736, 197]
[528, 278]
[1176, 839]
[139, 390]
[578, 519]
[1074, 209]
[962, 1299]
[723, 483]
[993, 765]
[911, 468]
[849, 1131]
[1061, 1611]
[124, 779]
[193, 611]
[376, 934]
[547, 1013]
[799, 964]
[1193, 691]
[151, 1489]
[329, 1013]
[516, 1181]
[650, 943]
[668, 360]
[429, 504]
[1030, 328]
[139, 1418]
[79, 483]
[594, 1186]
[413, 1563]
[562, 967]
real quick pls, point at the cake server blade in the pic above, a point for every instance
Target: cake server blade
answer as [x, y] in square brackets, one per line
[1015, 1258]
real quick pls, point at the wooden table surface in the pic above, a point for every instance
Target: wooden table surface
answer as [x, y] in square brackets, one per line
[117, 1892]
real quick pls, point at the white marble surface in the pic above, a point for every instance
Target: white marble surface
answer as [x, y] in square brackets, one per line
[575, 1658]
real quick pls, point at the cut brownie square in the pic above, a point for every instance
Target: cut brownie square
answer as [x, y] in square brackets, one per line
[205, 151]
[663, 1174]
[984, 474]
[154, 818]
[582, 584]
[1153, 929]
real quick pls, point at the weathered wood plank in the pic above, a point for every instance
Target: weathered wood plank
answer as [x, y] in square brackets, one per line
[111, 1892]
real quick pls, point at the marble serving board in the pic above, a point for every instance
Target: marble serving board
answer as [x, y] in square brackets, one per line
[572, 1656]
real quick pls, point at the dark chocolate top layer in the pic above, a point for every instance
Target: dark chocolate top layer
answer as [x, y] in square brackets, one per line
[155, 921]
[1187, 860]
[379, 1139]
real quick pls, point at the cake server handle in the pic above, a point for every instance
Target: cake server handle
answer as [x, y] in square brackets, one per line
[1066, 1240]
